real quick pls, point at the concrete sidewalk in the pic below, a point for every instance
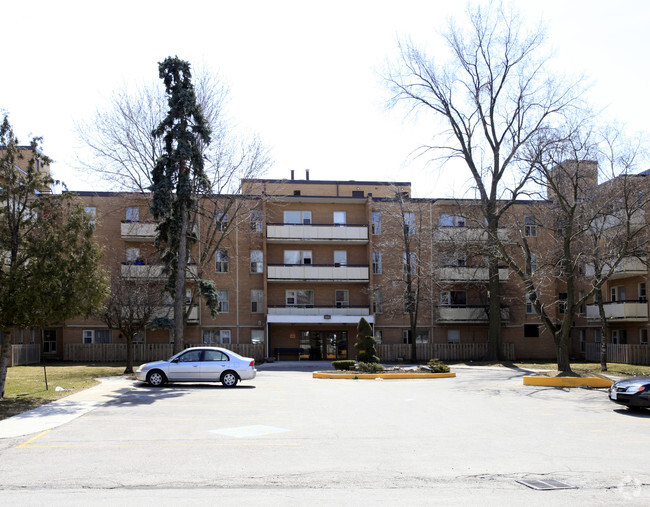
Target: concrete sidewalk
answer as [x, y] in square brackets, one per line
[66, 409]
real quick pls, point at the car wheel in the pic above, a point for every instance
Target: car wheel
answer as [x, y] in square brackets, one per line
[156, 378]
[229, 379]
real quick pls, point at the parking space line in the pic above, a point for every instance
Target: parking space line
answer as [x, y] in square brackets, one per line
[25, 444]
[130, 444]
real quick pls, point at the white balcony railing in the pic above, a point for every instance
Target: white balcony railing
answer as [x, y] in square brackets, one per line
[138, 231]
[626, 311]
[280, 233]
[628, 267]
[468, 314]
[149, 271]
[318, 273]
[469, 274]
[466, 234]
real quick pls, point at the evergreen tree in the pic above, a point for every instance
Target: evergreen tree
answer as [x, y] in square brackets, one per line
[365, 345]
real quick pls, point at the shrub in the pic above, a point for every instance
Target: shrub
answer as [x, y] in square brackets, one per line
[370, 367]
[345, 365]
[365, 345]
[437, 366]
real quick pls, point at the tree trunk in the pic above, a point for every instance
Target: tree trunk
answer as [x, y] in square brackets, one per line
[5, 356]
[563, 364]
[598, 296]
[494, 326]
[179, 296]
[129, 354]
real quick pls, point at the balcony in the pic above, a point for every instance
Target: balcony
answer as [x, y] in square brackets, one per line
[621, 311]
[466, 234]
[317, 233]
[469, 274]
[628, 267]
[138, 231]
[168, 311]
[150, 271]
[467, 314]
[309, 314]
[317, 273]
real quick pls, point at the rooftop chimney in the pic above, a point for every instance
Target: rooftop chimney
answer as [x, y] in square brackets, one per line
[292, 171]
[307, 174]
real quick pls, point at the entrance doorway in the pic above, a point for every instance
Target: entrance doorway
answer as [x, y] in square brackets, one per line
[318, 345]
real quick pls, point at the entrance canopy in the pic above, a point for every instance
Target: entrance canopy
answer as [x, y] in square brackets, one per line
[318, 319]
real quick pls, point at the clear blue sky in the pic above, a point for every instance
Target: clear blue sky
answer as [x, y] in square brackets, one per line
[302, 74]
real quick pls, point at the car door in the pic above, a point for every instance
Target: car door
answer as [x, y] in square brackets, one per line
[213, 364]
[187, 366]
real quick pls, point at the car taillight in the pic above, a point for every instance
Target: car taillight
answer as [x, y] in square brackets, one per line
[252, 363]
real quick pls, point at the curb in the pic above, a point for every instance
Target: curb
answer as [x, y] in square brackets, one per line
[567, 381]
[320, 374]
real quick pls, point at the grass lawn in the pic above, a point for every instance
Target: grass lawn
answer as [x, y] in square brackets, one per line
[25, 385]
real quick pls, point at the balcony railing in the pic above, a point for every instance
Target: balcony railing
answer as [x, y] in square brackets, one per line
[469, 274]
[318, 310]
[622, 311]
[468, 314]
[466, 234]
[317, 273]
[138, 231]
[316, 233]
[628, 267]
[150, 271]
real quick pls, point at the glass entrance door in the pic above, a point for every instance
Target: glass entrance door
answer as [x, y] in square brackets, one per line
[319, 345]
[336, 344]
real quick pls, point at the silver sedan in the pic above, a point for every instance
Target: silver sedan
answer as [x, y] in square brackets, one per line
[199, 364]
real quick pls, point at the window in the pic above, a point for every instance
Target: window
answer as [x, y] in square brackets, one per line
[132, 255]
[340, 257]
[32, 336]
[446, 220]
[377, 301]
[257, 261]
[214, 355]
[341, 298]
[530, 226]
[257, 336]
[379, 336]
[376, 222]
[256, 221]
[531, 265]
[453, 336]
[643, 294]
[49, 340]
[97, 336]
[561, 304]
[91, 211]
[619, 336]
[406, 336]
[222, 300]
[188, 297]
[257, 301]
[222, 221]
[583, 340]
[297, 257]
[411, 263]
[376, 263]
[618, 293]
[297, 217]
[339, 218]
[303, 298]
[531, 331]
[138, 337]
[357, 193]
[221, 257]
[643, 337]
[132, 214]
[582, 308]
[453, 298]
[529, 305]
[597, 335]
[216, 336]
[20, 336]
[409, 223]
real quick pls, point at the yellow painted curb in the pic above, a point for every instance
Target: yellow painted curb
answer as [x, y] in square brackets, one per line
[320, 374]
[567, 381]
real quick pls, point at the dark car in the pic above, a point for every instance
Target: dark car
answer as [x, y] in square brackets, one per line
[633, 392]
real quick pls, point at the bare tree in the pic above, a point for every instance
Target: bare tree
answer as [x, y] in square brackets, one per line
[492, 97]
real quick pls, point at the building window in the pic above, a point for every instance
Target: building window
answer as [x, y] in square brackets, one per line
[221, 261]
[376, 222]
[339, 218]
[297, 217]
[91, 211]
[530, 226]
[342, 298]
[217, 336]
[377, 301]
[379, 336]
[410, 264]
[222, 300]
[340, 257]
[531, 266]
[583, 340]
[582, 308]
[301, 298]
[409, 223]
[618, 293]
[421, 336]
[49, 341]
[20, 337]
[643, 294]
[293, 257]
[453, 298]
[97, 336]
[531, 331]
[446, 220]
[453, 336]
[257, 336]
[32, 336]
[133, 256]
[530, 309]
[256, 221]
[619, 336]
[376, 263]
[257, 261]
[597, 335]
[643, 337]
[139, 337]
[132, 214]
[562, 297]
[222, 221]
[257, 301]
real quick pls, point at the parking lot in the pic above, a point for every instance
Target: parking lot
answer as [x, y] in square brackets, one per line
[288, 439]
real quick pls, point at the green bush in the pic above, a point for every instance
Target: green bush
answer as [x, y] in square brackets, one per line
[365, 345]
[370, 367]
[437, 366]
[345, 365]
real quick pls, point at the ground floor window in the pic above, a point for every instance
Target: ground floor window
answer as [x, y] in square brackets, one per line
[93, 336]
[453, 336]
[421, 336]
[531, 331]
[49, 341]
[217, 336]
[643, 339]
[257, 336]
[619, 336]
[139, 337]
[583, 340]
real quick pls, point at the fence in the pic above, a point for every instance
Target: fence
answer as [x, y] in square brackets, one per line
[142, 353]
[442, 351]
[25, 354]
[626, 354]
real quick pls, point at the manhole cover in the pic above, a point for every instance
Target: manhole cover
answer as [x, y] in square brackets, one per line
[546, 484]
